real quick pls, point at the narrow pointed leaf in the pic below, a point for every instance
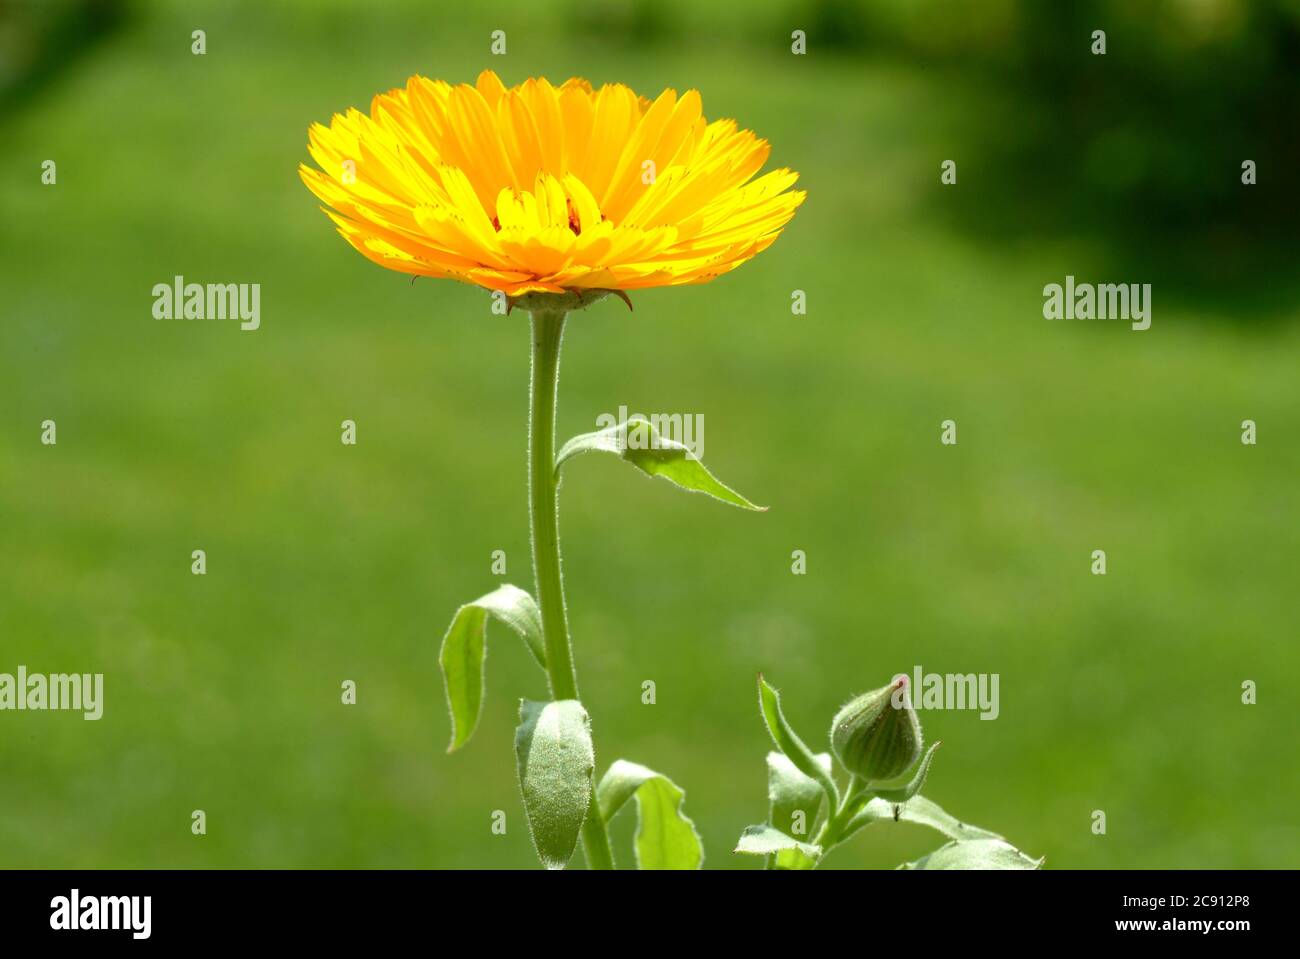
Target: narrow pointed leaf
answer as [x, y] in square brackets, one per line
[904, 793]
[464, 650]
[765, 840]
[639, 443]
[795, 802]
[556, 761]
[665, 836]
[975, 854]
[769, 704]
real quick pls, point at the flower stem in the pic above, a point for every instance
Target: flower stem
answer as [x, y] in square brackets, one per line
[544, 519]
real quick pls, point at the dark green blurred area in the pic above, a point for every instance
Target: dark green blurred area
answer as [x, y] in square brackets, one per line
[1119, 693]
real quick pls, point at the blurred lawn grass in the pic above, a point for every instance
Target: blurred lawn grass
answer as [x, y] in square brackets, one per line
[1118, 693]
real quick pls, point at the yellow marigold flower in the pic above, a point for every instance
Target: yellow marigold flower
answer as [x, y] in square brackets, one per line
[547, 189]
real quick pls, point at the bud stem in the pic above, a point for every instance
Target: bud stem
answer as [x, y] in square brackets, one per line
[829, 836]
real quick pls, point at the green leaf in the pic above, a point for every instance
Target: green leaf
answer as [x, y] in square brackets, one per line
[904, 793]
[639, 443]
[665, 836]
[918, 810]
[793, 860]
[794, 801]
[975, 854]
[769, 703]
[464, 650]
[556, 761]
[765, 840]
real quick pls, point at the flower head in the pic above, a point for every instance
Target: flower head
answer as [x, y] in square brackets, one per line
[544, 189]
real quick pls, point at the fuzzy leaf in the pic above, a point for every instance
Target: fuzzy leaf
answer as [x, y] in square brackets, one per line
[765, 840]
[975, 854]
[919, 810]
[769, 704]
[556, 761]
[639, 443]
[464, 650]
[794, 800]
[665, 836]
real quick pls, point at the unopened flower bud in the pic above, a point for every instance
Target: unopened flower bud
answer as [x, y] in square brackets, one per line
[878, 736]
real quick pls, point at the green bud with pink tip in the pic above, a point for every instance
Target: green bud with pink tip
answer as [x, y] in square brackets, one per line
[877, 736]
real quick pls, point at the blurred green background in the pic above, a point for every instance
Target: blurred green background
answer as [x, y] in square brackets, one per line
[1119, 693]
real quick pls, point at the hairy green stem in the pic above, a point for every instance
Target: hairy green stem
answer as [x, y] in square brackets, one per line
[829, 836]
[544, 519]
